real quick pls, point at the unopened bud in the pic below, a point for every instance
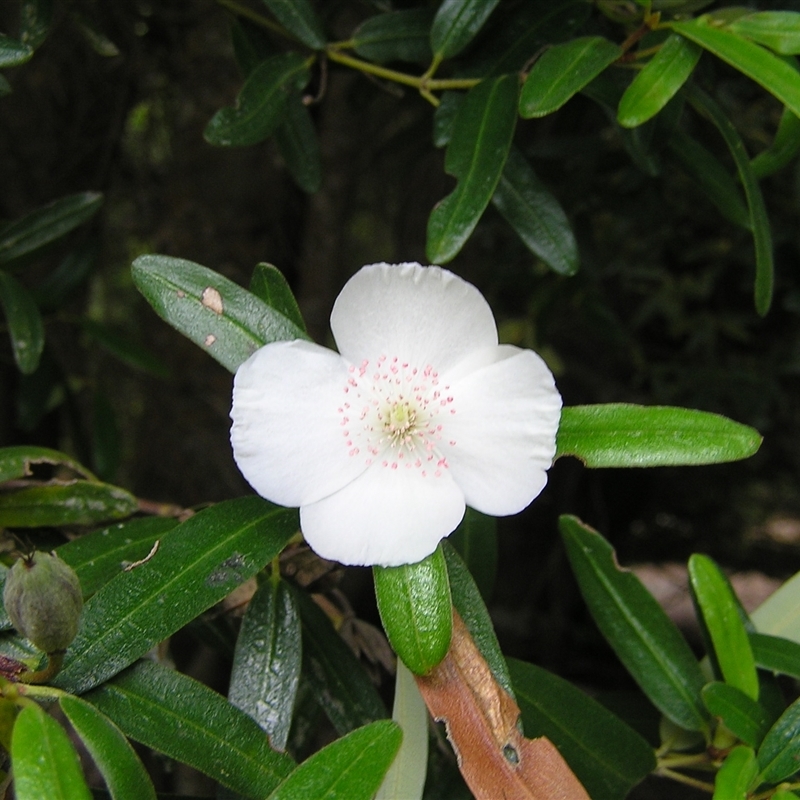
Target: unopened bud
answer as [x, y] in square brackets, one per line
[43, 599]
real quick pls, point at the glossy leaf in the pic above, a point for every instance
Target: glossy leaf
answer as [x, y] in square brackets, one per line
[624, 435]
[475, 539]
[266, 663]
[416, 610]
[299, 18]
[297, 141]
[659, 81]
[35, 17]
[742, 716]
[12, 52]
[778, 30]
[339, 683]
[476, 154]
[445, 116]
[269, 284]
[784, 148]
[196, 565]
[637, 628]
[24, 323]
[456, 24]
[779, 754]
[73, 503]
[185, 720]
[351, 767]
[736, 775]
[395, 36]
[261, 104]
[719, 611]
[776, 654]
[606, 754]
[16, 462]
[227, 321]
[562, 71]
[127, 351]
[535, 214]
[45, 225]
[123, 772]
[45, 762]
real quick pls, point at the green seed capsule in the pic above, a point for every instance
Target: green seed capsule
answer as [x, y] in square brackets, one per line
[43, 599]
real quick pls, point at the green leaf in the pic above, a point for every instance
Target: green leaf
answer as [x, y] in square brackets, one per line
[535, 214]
[475, 539]
[35, 17]
[122, 348]
[456, 24]
[476, 154]
[718, 184]
[562, 71]
[775, 75]
[123, 772]
[12, 52]
[338, 682]
[742, 716]
[606, 754]
[351, 767]
[47, 224]
[624, 435]
[445, 116]
[736, 775]
[658, 82]
[298, 145]
[261, 104]
[15, 462]
[719, 610]
[637, 628]
[779, 614]
[759, 222]
[778, 30]
[469, 604]
[24, 323]
[185, 720]
[73, 503]
[269, 284]
[299, 18]
[45, 762]
[416, 610]
[395, 36]
[776, 654]
[779, 754]
[196, 565]
[784, 148]
[266, 663]
[229, 322]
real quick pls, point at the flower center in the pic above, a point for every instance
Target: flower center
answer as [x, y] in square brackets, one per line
[395, 414]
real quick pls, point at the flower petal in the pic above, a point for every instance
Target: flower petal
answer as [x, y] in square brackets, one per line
[502, 438]
[386, 516]
[287, 436]
[423, 315]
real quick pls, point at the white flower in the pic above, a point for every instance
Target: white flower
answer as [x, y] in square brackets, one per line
[421, 413]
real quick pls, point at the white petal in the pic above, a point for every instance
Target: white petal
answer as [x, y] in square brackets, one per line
[423, 315]
[386, 516]
[287, 435]
[501, 439]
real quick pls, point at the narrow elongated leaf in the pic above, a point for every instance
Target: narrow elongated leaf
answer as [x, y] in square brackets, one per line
[261, 104]
[351, 767]
[45, 762]
[659, 81]
[180, 717]
[562, 71]
[779, 614]
[475, 539]
[535, 214]
[742, 716]
[229, 322]
[266, 663]
[779, 754]
[456, 24]
[12, 52]
[778, 30]
[73, 503]
[24, 323]
[47, 224]
[772, 73]
[637, 628]
[269, 284]
[395, 36]
[15, 462]
[736, 775]
[776, 654]
[416, 610]
[784, 148]
[719, 610]
[197, 564]
[624, 435]
[299, 18]
[35, 17]
[124, 774]
[606, 754]
[297, 141]
[476, 154]
[339, 683]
